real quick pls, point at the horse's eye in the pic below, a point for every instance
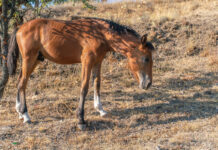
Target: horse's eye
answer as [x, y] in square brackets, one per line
[146, 59]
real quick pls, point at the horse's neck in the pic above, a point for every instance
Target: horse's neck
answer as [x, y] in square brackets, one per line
[122, 44]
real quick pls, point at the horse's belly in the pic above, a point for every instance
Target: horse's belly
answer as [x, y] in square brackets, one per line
[63, 55]
[63, 51]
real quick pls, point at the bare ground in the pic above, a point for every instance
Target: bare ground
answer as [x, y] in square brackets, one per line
[180, 111]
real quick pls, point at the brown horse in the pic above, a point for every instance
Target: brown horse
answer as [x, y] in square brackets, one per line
[82, 40]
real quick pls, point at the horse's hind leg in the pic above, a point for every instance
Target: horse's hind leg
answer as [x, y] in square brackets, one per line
[96, 73]
[18, 102]
[28, 65]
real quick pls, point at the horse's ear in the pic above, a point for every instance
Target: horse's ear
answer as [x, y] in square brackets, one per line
[144, 39]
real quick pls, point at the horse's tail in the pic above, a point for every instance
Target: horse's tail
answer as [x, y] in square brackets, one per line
[13, 53]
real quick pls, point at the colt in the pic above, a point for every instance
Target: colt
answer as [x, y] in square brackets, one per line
[81, 40]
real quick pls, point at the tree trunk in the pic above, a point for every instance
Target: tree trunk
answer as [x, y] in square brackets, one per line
[0, 53]
[4, 67]
[4, 46]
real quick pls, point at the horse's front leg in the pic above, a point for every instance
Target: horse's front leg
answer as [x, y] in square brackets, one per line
[96, 73]
[86, 71]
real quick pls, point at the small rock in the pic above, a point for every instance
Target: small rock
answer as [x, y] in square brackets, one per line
[207, 92]
[36, 92]
[118, 91]
[197, 95]
[159, 107]
[176, 27]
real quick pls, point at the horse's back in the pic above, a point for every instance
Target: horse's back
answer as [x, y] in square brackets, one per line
[63, 41]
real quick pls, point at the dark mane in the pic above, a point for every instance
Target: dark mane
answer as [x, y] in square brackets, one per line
[121, 29]
[114, 27]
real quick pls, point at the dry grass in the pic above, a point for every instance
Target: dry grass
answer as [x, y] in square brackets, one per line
[178, 112]
[191, 49]
[124, 12]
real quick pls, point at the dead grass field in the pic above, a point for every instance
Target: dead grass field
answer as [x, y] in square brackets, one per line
[180, 110]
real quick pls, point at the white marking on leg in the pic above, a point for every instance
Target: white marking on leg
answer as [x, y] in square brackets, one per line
[20, 116]
[98, 105]
[17, 109]
[17, 105]
[26, 117]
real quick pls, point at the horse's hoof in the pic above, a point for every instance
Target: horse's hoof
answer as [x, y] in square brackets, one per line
[103, 114]
[27, 122]
[82, 127]
[20, 117]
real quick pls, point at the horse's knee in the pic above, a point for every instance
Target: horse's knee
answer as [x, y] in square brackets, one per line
[22, 84]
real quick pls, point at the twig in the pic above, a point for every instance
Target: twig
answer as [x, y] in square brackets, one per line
[69, 108]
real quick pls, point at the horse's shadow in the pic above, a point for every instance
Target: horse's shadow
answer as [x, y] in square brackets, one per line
[95, 125]
[192, 107]
[195, 110]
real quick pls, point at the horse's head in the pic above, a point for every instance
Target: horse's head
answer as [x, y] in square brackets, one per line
[140, 63]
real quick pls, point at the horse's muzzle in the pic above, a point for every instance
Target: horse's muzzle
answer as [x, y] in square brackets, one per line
[145, 86]
[144, 82]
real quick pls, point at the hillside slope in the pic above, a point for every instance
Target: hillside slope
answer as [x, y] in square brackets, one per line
[179, 111]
